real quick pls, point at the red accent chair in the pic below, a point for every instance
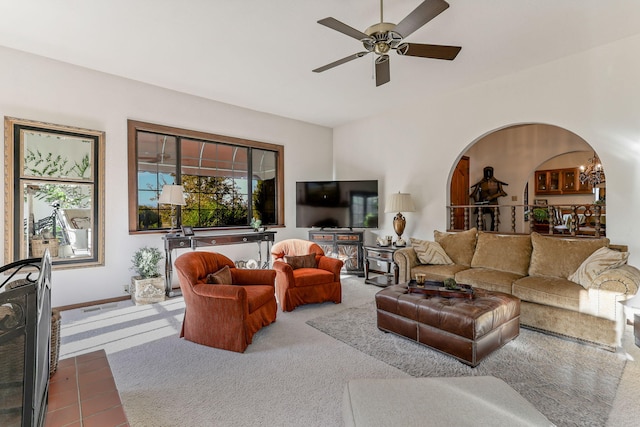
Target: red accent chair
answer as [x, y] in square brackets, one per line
[299, 286]
[224, 315]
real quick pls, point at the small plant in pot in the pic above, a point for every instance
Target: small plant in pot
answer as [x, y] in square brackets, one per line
[451, 284]
[146, 262]
[541, 215]
[148, 286]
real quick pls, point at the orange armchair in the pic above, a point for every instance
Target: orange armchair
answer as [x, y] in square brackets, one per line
[305, 285]
[224, 315]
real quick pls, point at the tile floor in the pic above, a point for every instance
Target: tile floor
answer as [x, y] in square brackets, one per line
[82, 393]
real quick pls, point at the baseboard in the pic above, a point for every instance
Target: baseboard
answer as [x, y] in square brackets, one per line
[90, 303]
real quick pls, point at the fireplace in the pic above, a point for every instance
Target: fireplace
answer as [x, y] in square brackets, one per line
[25, 339]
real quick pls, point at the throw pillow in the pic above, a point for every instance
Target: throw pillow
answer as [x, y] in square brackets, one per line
[459, 246]
[601, 260]
[554, 257]
[220, 277]
[302, 261]
[430, 252]
[503, 252]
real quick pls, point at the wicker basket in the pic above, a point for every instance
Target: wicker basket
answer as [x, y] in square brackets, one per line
[38, 247]
[55, 342]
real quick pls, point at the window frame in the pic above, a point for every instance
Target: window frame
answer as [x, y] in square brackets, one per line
[134, 126]
[16, 178]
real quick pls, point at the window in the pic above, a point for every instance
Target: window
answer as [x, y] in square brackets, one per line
[227, 181]
[54, 187]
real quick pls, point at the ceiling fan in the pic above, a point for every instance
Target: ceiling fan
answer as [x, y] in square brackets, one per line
[383, 37]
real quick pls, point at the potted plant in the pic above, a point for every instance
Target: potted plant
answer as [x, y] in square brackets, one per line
[540, 220]
[148, 285]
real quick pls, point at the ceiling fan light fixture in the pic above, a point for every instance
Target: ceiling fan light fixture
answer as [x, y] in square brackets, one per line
[383, 37]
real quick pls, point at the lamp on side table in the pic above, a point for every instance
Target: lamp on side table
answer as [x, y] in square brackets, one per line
[172, 195]
[399, 202]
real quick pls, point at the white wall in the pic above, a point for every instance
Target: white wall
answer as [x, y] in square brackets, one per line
[594, 94]
[36, 88]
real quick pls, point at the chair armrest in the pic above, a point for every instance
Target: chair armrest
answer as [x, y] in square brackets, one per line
[220, 303]
[284, 274]
[220, 291]
[253, 277]
[406, 258]
[332, 265]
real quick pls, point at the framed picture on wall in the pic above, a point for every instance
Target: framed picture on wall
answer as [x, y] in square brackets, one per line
[540, 202]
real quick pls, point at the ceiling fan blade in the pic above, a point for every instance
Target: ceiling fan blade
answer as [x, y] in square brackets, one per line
[383, 74]
[340, 62]
[422, 14]
[428, 50]
[334, 24]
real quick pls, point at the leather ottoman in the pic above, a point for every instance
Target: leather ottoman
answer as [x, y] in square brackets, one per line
[467, 329]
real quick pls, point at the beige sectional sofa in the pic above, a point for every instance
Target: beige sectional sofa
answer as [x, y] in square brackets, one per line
[567, 286]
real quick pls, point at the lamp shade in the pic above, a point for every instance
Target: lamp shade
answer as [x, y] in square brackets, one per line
[172, 195]
[399, 202]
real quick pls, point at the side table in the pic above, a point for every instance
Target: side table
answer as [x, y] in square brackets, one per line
[380, 254]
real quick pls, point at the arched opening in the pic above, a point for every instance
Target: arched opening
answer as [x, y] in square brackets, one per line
[531, 166]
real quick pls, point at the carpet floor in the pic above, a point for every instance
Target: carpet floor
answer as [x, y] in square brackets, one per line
[291, 375]
[571, 383]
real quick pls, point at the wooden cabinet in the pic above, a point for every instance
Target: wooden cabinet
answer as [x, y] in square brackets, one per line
[559, 182]
[346, 245]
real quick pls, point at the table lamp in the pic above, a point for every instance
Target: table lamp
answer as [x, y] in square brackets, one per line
[172, 195]
[399, 202]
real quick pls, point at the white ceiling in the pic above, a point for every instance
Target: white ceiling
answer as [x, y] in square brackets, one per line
[259, 54]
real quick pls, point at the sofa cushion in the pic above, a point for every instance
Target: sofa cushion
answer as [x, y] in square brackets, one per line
[510, 253]
[437, 272]
[552, 291]
[601, 260]
[489, 279]
[459, 246]
[301, 261]
[430, 252]
[220, 277]
[555, 257]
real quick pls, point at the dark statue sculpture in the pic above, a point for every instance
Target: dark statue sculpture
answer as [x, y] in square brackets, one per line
[486, 192]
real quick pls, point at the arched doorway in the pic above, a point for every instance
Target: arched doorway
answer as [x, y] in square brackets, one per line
[515, 153]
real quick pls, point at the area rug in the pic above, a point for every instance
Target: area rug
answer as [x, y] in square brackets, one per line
[571, 383]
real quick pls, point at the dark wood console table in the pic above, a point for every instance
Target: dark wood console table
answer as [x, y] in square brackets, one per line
[202, 240]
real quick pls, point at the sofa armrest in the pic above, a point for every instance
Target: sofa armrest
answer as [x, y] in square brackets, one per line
[623, 280]
[406, 259]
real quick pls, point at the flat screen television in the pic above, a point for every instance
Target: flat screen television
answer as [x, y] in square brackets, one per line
[337, 204]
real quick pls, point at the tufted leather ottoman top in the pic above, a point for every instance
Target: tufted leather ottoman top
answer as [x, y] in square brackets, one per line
[469, 318]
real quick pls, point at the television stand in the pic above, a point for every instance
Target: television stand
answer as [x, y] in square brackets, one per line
[346, 245]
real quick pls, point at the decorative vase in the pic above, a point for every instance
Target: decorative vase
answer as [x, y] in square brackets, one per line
[147, 291]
